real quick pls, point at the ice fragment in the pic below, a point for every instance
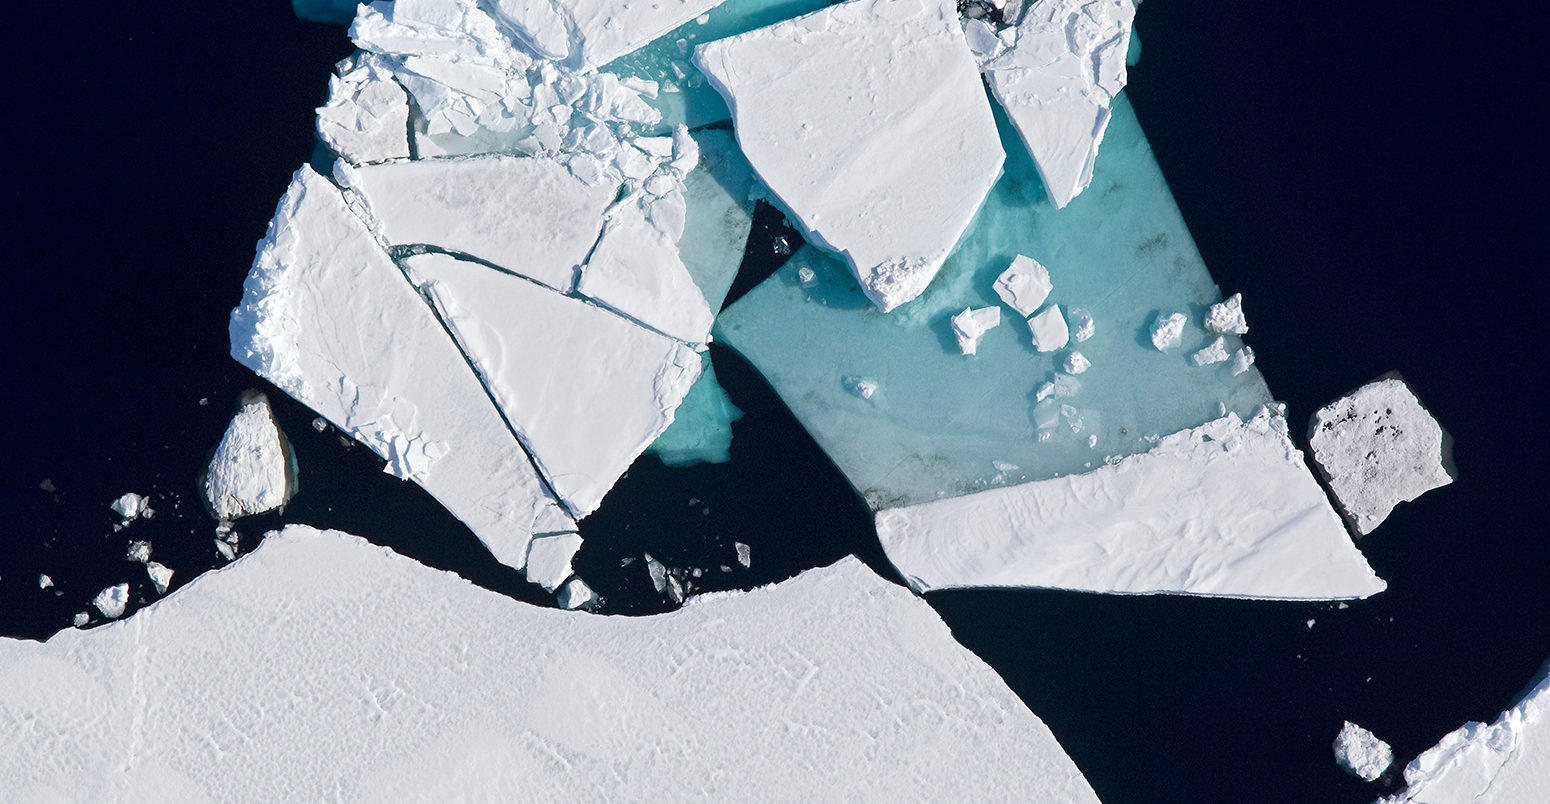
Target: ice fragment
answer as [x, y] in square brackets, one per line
[112, 600]
[1075, 363]
[1024, 285]
[1361, 753]
[1167, 330]
[1049, 330]
[1215, 352]
[1226, 316]
[252, 470]
[971, 324]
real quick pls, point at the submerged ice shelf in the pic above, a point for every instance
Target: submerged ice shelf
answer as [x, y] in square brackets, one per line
[834, 685]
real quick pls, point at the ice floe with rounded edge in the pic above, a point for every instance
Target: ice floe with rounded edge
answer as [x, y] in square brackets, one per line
[252, 470]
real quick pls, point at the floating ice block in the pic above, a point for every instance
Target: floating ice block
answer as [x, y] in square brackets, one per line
[1227, 316]
[436, 689]
[252, 470]
[718, 215]
[1361, 753]
[971, 325]
[1049, 330]
[1226, 509]
[1024, 285]
[549, 558]
[869, 122]
[332, 321]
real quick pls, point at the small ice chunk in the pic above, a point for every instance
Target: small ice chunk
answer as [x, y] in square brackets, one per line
[160, 575]
[80, 619]
[744, 554]
[657, 572]
[320, 424]
[252, 470]
[1043, 392]
[1076, 363]
[1378, 447]
[1361, 753]
[111, 601]
[861, 386]
[1241, 360]
[806, 276]
[1024, 285]
[1081, 321]
[982, 39]
[1226, 316]
[1167, 330]
[228, 551]
[140, 552]
[1049, 330]
[132, 506]
[1216, 352]
[575, 594]
[45, 582]
[549, 559]
[971, 324]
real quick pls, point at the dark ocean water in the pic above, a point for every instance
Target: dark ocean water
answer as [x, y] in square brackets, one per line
[1371, 181]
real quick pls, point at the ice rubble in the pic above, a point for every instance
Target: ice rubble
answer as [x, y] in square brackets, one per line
[867, 120]
[1227, 316]
[252, 470]
[1361, 753]
[366, 118]
[437, 689]
[972, 324]
[1506, 762]
[1378, 447]
[1057, 82]
[1225, 509]
[131, 506]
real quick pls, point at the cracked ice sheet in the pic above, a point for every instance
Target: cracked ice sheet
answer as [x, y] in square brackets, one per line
[1057, 82]
[1506, 762]
[530, 216]
[869, 122]
[586, 389]
[328, 318]
[585, 34]
[942, 420]
[367, 676]
[1227, 509]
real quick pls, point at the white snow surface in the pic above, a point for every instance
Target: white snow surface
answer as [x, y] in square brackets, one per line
[585, 389]
[1361, 753]
[636, 270]
[971, 324]
[1214, 352]
[1024, 285]
[1378, 447]
[530, 216]
[1057, 81]
[328, 318]
[349, 672]
[1506, 762]
[1227, 509]
[249, 473]
[869, 122]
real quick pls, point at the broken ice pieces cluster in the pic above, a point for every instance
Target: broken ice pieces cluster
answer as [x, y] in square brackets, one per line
[436, 689]
[1378, 447]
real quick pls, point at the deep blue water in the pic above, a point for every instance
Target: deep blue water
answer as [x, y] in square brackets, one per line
[1369, 181]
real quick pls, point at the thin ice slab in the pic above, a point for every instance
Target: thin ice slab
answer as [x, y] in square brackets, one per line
[365, 676]
[943, 425]
[1226, 509]
[1057, 82]
[869, 122]
[253, 469]
[584, 388]
[1378, 448]
[328, 317]
[701, 431]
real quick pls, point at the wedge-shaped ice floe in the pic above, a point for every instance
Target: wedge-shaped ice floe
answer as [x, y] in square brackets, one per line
[585, 389]
[366, 118]
[590, 33]
[869, 123]
[1226, 509]
[365, 676]
[1378, 447]
[252, 470]
[636, 269]
[531, 216]
[329, 318]
[1506, 762]
[1057, 82]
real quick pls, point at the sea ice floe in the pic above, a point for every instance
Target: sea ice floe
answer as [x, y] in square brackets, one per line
[131, 506]
[869, 122]
[1226, 316]
[1049, 329]
[1506, 762]
[329, 318]
[139, 552]
[971, 324]
[549, 557]
[1075, 363]
[575, 594]
[44, 581]
[1167, 330]
[112, 600]
[1378, 447]
[437, 689]
[1241, 360]
[1214, 352]
[1361, 753]
[1024, 285]
[701, 431]
[160, 575]
[1057, 82]
[1226, 509]
[252, 470]
[1081, 322]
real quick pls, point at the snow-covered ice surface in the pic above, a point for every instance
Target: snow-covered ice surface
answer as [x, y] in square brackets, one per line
[590, 33]
[1226, 509]
[1361, 753]
[366, 118]
[868, 121]
[1378, 447]
[1057, 82]
[252, 470]
[332, 321]
[1505, 762]
[346, 671]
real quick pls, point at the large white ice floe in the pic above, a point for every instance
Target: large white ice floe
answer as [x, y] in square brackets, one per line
[1378, 447]
[869, 122]
[1506, 762]
[1057, 82]
[585, 390]
[252, 470]
[1361, 753]
[332, 321]
[1225, 509]
[366, 676]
